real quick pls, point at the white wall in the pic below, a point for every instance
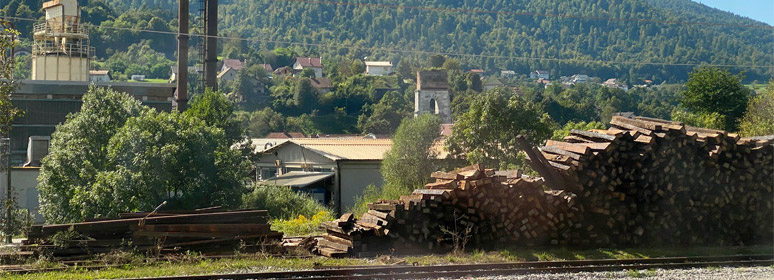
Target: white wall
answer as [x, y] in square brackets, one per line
[25, 187]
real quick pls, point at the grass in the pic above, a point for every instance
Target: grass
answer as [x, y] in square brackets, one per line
[191, 265]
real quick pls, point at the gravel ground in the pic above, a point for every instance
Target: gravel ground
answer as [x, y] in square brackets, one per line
[725, 273]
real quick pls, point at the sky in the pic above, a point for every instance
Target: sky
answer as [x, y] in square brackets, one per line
[760, 10]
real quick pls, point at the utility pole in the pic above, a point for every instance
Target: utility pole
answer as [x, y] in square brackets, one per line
[5, 155]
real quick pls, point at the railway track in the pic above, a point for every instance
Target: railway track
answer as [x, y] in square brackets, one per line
[484, 270]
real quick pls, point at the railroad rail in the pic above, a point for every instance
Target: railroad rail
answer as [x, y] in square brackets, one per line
[483, 270]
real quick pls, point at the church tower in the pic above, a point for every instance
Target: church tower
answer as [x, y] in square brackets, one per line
[432, 95]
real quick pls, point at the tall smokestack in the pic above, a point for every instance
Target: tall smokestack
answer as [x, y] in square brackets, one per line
[211, 49]
[181, 95]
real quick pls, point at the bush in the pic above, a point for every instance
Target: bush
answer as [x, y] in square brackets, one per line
[281, 202]
[302, 225]
[373, 193]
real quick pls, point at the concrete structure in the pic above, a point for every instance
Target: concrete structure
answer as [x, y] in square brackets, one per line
[432, 95]
[25, 189]
[315, 63]
[354, 164]
[61, 49]
[47, 103]
[100, 76]
[378, 68]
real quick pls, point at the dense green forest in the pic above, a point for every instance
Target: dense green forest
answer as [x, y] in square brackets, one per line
[627, 39]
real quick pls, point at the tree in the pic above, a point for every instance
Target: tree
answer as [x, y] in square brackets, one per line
[706, 120]
[216, 110]
[436, 61]
[307, 73]
[384, 117]
[409, 162]
[559, 134]
[116, 155]
[265, 121]
[79, 151]
[171, 157]
[712, 90]
[759, 118]
[486, 133]
[7, 111]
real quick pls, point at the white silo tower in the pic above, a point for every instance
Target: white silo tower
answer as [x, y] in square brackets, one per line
[61, 49]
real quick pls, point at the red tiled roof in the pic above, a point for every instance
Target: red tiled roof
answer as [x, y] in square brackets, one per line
[446, 129]
[321, 83]
[267, 67]
[285, 135]
[236, 64]
[310, 62]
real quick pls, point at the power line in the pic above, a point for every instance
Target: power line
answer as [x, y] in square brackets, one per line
[391, 50]
[474, 11]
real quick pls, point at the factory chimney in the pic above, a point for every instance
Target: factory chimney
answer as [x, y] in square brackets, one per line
[181, 94]
[211, 45]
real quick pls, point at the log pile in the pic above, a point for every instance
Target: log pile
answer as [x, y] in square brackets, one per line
[208, 232]
[646, 181]
[471, 204]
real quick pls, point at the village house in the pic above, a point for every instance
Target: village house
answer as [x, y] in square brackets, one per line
[323, 85]
[229, 74]
[507, 73]
[315, 63]
[235, 64]
[540, 74]
[100, 76]
[378, 68]
[493, 83]
[614, 83]
[282, 71]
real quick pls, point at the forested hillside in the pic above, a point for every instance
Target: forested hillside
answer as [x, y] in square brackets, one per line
[602, 47]
[629, 39]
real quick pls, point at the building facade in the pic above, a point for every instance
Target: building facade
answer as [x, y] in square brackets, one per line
[432, 95]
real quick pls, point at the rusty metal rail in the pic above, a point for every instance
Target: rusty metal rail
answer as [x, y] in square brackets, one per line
[483, 270]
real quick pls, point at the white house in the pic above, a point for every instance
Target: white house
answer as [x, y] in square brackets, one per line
[540, 74]
[228, 74]
[614, 83]
[507, 73]
[315, 63]
[235, 64]
[378, 68]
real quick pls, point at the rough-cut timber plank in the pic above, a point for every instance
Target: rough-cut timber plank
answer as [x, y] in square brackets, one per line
[204, 228]
[594, 136]
[570, 147]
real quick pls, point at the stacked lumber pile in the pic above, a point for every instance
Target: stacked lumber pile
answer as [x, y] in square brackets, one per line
[646, 181]
[471, 204]
[208, 232]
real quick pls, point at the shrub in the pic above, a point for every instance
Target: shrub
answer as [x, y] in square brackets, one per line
[302, 225]
[281, 202]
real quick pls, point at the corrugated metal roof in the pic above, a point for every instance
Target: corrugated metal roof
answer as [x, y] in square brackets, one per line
[342, 149]
[347, 149]
[299, 179]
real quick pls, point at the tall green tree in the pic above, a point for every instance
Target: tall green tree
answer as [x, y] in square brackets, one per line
[713, 90]
[384, 117]
[409, 162]
[79, 152]
[7, 111]
[216, 110]
[486, 133]
[759, 118]
[116, 155]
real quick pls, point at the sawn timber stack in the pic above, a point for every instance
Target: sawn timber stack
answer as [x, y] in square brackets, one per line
[651, 181]
[470, 203]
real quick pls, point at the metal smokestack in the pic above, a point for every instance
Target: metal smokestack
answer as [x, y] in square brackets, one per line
[211, 46]
[181, 94]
